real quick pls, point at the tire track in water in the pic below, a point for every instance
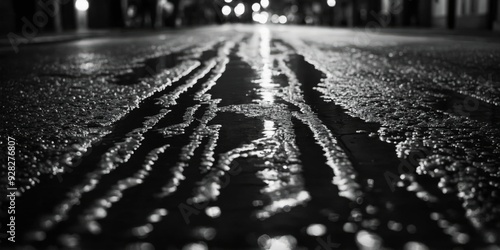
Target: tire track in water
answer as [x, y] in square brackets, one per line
[371, 158]
[301, 162]
[270, 168]
[334, 116]
[133, 119]
[128, 123]
[176, 185]
[194, 221]
[325, 201]
[282, 205]
[193, 143]
[151, 140]
[443, 213]
[269, 171]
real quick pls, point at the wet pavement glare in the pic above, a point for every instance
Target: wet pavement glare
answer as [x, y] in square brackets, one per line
[255, 137]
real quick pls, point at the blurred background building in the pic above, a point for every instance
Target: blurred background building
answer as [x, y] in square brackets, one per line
[80, 15]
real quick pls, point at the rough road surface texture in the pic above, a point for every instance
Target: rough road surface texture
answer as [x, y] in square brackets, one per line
[254, 137]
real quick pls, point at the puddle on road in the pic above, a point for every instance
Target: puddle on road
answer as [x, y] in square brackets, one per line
[456, 146]
[191, 157]
[154, 66]
[256, 158]
[148, 68]
[131, 127]
[235, 85]
[373, 159]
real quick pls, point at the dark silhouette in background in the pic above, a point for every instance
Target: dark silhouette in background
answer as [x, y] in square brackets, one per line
[103, 14]
[22, 8]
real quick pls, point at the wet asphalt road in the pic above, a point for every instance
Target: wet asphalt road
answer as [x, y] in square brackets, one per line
[254, 137]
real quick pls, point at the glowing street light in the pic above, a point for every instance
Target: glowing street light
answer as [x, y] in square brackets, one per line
[260, 17]
[263, 17]
[82, 5]
[331, 3]
[264, 3]
[275, 18]
[228, 1]
[226, 10]
[282, 19]
[256, 7]
[239, 9]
